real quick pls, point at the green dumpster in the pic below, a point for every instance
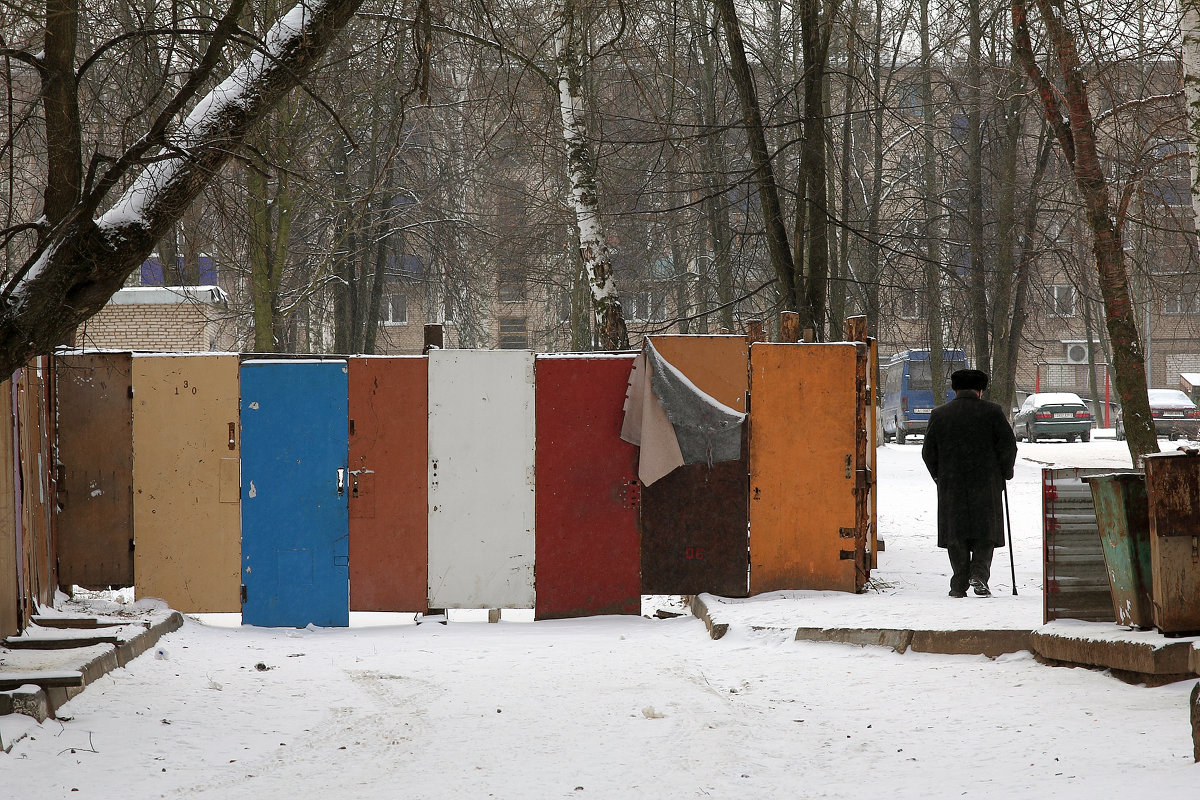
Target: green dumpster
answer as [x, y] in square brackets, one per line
[1123, 517]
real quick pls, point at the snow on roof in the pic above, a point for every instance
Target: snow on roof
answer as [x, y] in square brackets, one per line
[169, 295]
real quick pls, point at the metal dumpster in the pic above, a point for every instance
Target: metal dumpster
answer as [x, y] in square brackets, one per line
[1123, 519]
[1173, 491]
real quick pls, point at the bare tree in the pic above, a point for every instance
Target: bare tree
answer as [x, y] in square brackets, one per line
[1069, 116]
[85, 252]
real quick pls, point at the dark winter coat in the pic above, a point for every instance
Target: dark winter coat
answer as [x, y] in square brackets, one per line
[970, 451]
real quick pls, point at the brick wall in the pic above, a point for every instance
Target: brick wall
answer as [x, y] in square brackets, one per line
[176, 327]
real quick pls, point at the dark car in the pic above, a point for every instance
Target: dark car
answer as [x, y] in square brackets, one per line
[1053, 415]
[1174, 414]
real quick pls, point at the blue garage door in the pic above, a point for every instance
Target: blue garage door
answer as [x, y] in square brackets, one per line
[295, 554]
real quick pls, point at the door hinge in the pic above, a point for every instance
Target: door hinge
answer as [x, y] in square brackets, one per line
[243, 594]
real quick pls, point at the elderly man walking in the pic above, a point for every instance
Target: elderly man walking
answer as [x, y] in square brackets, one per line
[970, 451]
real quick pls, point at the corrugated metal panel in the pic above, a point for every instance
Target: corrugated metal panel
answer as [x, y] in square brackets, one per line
[185, 444]
[1173, 490]
[804, 469]
[694, 521]
[389, 513]
[588, 549]
[481, 479]
[1074, 577]
[95, 439]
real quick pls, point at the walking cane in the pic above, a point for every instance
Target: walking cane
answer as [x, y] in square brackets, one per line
[1011, 564]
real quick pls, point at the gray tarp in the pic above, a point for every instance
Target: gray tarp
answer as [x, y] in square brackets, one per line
[673, 421]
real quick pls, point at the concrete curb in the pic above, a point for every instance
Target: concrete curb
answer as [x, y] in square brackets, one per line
[1149, 662]
[41, 704]
[989, 643]
[117, 656]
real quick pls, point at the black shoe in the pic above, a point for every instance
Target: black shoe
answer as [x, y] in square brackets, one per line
[957, 593]
[981, 589]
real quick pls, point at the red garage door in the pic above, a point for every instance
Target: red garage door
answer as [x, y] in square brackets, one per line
[389, 534]
[587, 532]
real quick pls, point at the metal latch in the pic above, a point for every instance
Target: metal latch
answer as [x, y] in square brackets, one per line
[632, 494]
[341, 481]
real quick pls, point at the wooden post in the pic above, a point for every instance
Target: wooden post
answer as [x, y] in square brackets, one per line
[789, 326]
[856, 329]
[809, 335]
[754, 331]
[433, 338]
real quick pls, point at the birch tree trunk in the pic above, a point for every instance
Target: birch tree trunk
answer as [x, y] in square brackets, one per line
[1190, 26]
[1070, 118]
[611, 333]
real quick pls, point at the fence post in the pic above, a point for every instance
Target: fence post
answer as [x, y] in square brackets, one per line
[789, 326]
[433, 338]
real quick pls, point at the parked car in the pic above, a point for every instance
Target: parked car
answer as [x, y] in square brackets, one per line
[1053, 415]
[1173, 412]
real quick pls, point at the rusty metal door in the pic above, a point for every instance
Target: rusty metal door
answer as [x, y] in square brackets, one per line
[1173, 491]
[389, 515]
[809, 486]
[588, 553]
[95, 439]
[693, 521]
[10, 573]
[481, 480]
[34, 453]
[186, 501]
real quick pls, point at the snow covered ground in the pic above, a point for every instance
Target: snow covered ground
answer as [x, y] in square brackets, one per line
[617, 707]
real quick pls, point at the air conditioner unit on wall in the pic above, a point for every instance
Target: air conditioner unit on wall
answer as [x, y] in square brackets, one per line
[1077, 352]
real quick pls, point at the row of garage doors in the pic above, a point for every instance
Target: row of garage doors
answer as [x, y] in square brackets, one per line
[296, 490]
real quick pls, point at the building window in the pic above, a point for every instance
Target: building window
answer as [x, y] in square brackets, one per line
[908, 304]
[510, 286]
[1181, 303]
[1062, 300]
[649, 305]
[912, 100]
[513, 333]
[397, 308]
[449, 304]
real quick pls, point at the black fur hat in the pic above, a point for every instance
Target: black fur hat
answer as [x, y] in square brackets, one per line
[968, 379]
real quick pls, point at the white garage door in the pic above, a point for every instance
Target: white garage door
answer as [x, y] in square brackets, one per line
[481, 479]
